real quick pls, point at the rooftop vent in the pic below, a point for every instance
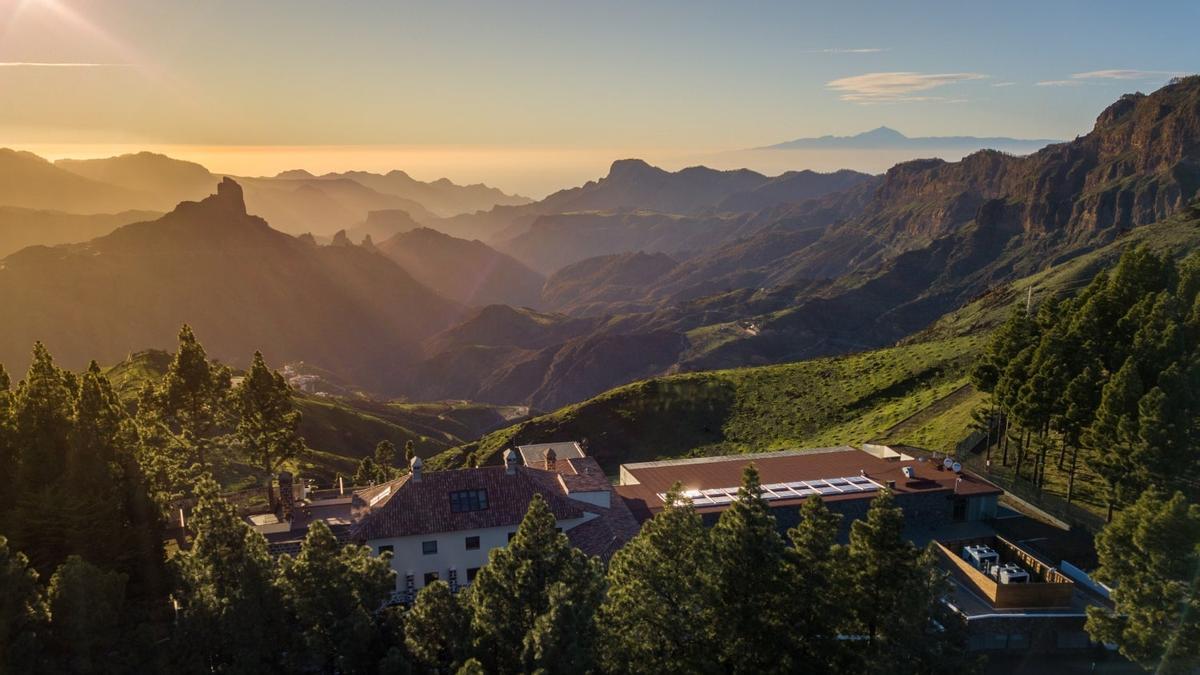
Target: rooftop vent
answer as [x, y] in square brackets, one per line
[908, 472]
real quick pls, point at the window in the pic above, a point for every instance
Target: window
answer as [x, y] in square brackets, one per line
[429, 547]
[430, 577]
[511, 535]
[471, 572]
[472, 543]
[386, 548]
[463, 501]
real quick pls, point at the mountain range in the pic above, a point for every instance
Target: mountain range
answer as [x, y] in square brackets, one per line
[294, 201]
[241, 285]
[885, 138]
[645, 271]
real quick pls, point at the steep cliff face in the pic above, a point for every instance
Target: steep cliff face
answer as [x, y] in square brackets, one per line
[1138, 165]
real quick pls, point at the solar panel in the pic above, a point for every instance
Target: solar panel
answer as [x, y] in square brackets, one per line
[793, 490]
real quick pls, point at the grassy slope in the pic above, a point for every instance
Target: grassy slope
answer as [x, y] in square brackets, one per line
[916, 393]
[821, 402]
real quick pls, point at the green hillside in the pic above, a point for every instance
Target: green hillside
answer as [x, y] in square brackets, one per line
[915, 393]
[827, 401]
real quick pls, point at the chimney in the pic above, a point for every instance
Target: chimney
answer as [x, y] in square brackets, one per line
[287, 498]
[511, 460]
[551, 459]
[415, 467]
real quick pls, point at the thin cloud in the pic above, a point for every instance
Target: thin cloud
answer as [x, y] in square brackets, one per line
[896, 87]
[1003, 84]
[1095, 76]
[1124, 74]
[41, 64]
[846, 50]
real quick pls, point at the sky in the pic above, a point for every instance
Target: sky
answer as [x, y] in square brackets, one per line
[534, 95]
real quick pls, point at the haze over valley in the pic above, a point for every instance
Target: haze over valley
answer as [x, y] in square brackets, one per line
[618, 338]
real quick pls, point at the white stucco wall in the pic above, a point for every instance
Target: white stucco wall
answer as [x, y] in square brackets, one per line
[407, 555]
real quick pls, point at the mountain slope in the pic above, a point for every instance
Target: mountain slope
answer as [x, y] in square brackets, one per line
[633, 185]
[166, 180]
[28, 181]
[242, 285]
[592, 286]
[442, 197]
[28, 227]
[469, 272]
[914, 245]
[915, 393]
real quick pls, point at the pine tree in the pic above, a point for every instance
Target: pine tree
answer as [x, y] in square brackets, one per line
[23, 613]
[8, 447]
[409, 452]
[889, 576]
[655, 618]
[1113, 432]
[471, 667]
[437, 629]
[385, 460]
[42, 419]
[562, 641]
[268, 422]
[513, 589]
[231, 619]
[192, 400]
[332, 592]
[745, 581]
[817, 572]
[1150, 554]
[367, 473]
[86, 607]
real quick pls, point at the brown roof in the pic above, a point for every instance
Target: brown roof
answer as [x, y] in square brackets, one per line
[405, 507]
[581, 474]
[782, 467]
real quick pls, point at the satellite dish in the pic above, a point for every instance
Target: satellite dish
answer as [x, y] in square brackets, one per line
[957, 467]
[947, 462]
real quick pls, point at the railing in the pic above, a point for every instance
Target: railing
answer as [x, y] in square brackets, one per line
[1053, 504]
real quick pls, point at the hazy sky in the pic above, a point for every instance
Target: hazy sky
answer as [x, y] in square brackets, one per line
[558, 79]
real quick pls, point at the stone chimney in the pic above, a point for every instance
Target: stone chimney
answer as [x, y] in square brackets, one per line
[511, 460]
[287, 499]
[415, 468]
[551, 459]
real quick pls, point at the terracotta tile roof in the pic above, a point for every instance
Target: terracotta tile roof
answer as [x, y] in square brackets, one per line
[782, 467]
[405, 507]
[581, 474]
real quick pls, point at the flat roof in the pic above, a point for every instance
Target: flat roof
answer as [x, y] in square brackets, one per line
[642, 483]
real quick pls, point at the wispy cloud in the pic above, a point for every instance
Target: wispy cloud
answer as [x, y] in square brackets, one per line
[1092, 76]
[42, 64]
[1125, 74]
[847, 50]
[1003, 84]
[896, 87]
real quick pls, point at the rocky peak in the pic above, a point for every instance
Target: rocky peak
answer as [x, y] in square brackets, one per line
[631, 169]
[340, 239]
[229, 195]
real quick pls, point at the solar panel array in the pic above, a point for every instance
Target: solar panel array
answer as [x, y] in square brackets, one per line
[793, 490]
